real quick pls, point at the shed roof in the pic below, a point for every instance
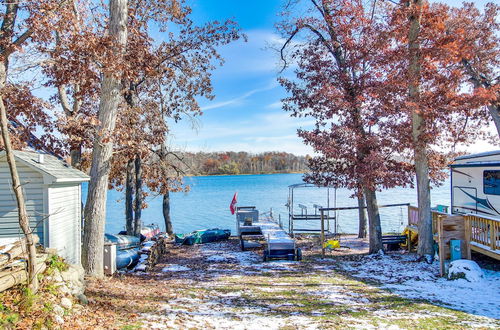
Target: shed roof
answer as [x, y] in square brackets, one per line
[479, 155]
[53, 169]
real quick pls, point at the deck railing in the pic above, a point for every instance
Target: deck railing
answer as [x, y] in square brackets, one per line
[484, 230]
[482, 233]
[413, 217]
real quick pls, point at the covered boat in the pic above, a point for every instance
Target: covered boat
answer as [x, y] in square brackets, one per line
[150, 231]
[127, 258]
[203, 236]
[147, 232]
[122, 242]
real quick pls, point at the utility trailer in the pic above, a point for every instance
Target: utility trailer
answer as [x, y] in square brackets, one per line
[475, 184]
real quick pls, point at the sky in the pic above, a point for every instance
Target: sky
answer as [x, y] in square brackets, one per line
[246, 113]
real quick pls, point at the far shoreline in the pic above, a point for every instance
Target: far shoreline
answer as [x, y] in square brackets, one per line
[200, 175]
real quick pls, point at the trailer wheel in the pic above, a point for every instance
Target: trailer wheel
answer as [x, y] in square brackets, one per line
[266, 256]
[298, 254]
[242, 243]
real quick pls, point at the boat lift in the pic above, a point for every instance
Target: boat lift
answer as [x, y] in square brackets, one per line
[305, 217]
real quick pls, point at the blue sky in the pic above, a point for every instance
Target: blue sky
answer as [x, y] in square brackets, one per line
[246, 113]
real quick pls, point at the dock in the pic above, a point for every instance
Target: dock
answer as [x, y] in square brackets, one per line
[279, 245]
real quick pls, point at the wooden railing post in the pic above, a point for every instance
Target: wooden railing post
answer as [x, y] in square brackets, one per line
[492, 235]
[468, 238]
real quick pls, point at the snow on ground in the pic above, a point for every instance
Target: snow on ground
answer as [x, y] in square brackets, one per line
[417, 280]
[190, 313]
[175, 268]
[219, 286]
[7, 243]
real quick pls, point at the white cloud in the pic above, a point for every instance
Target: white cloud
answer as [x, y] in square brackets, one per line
[239, 99]
[275, 105]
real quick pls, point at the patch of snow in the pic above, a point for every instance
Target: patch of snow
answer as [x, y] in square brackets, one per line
[217, 258]
[467, 269]
[148, 243]
[175, 268]
[145, 248]
[419, 280]
[197, 313]
[143, 257]
[140, 268]
[7, 243]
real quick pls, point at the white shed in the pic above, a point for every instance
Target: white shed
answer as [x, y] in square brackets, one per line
[53, 194]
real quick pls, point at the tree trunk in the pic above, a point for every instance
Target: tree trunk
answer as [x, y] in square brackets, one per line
[425, 238]
[375, 229]
[138, 196]
[494, 110]
[362, 217]
[95, 207]
[129, 197]
[76, 156]
[166, 213]
[16, 185]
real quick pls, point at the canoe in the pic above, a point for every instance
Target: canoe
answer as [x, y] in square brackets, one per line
[150, 231]
[127, 258]
[203, 236]
[122, 242]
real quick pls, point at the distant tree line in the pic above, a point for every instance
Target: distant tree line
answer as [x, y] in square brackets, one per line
[217, 163]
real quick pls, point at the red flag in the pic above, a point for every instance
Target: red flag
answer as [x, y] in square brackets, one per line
[233, 203]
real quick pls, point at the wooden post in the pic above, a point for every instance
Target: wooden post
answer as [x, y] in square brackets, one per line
[441, 245]
[322, 234]
[409, 240]
[468, 233]
[492, 235]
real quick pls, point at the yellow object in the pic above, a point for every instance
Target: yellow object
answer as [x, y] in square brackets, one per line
[331, 244]
[414, 237]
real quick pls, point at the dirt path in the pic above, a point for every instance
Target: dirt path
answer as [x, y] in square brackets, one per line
[216, 286]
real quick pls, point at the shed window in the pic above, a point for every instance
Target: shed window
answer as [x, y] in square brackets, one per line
[491, 182]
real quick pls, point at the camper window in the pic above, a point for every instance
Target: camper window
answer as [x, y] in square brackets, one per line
[491, 182]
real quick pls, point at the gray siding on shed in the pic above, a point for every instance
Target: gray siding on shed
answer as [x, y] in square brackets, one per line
[33, 191]
[65, 220]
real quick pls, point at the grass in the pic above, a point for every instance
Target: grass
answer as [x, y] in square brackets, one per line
[302, 295]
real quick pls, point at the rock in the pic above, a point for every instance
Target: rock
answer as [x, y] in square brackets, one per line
[58, 278]
[74, 277]
[466, 269]
[82, 299]
[66, 303]
[74, 273]
[63, 289]
[58, 319]
[58, 310]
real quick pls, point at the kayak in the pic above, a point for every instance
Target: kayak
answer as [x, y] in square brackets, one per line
[203, 236]
[147, 232]
[122, 242]
[127, 258]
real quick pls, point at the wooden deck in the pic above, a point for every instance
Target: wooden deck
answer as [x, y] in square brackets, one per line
[482, 233]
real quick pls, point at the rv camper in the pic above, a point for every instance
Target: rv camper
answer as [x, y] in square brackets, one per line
[475, 184]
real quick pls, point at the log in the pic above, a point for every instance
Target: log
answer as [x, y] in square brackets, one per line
[19, 277]
[12, 268]
[17, 250]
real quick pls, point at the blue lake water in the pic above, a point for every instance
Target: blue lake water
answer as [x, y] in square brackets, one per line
[206, 205]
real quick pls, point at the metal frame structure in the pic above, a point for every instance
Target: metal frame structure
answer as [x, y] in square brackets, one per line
[304, 216]
[279, 245]
[323, 218]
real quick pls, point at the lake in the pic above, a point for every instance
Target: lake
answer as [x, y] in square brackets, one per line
[206, 205]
